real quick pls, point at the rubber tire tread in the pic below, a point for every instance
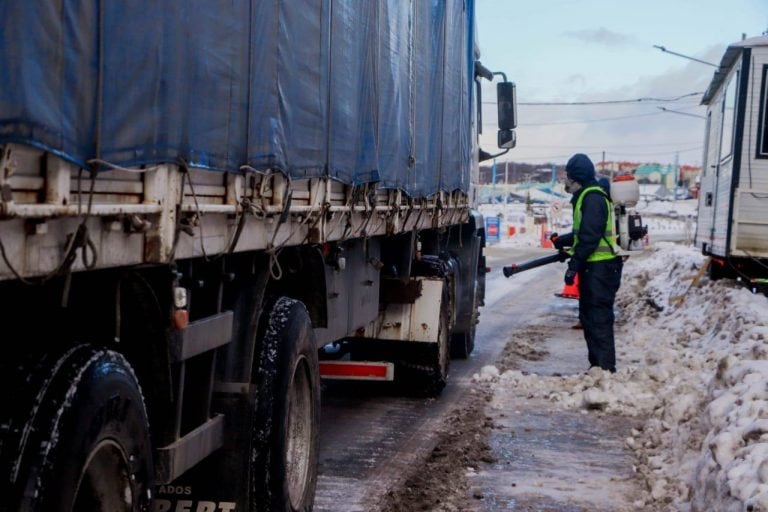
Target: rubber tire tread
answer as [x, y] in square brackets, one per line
[92, 395]
[285, 334]
[428, 378]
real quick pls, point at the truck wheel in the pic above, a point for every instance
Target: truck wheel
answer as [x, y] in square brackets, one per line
[463, 343]
[720, 269]
[286, 424]
[86, 444]
[427, 375]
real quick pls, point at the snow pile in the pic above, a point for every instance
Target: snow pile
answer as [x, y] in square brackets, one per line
[681, 207]
[628, 392]
[693, 362]
[733, 467]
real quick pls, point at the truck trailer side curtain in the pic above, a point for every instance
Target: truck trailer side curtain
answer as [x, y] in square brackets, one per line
[361, 91]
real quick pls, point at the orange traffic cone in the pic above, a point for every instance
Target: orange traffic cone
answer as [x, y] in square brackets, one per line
[570, 291]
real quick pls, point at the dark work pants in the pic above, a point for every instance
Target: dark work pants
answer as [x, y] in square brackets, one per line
[598, 283]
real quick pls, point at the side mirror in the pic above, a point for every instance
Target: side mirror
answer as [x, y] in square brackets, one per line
[506, 98]
[507, 139]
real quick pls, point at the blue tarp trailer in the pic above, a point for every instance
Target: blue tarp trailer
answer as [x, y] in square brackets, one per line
[361, 91]
[197, 198]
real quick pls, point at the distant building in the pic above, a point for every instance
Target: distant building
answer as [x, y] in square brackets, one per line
[665, 175]
[616, 167]
[689, 175]
[656, 174]
[508, 172]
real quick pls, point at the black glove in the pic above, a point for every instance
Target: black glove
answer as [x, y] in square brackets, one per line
[563, 255]
[570, 275]
[556, 242]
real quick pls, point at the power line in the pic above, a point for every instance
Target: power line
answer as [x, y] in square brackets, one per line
[602, 146]
[601, 120]
[697, 148]
[598, 120]
[527, 106]
[517, 157]
[664, 109]
[686, 56]
[604, 102]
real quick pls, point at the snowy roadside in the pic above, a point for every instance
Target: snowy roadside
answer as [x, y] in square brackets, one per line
[694, 371]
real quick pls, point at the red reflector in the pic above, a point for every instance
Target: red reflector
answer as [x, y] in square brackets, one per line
[180, 319]
[624, 177]
[357, 370]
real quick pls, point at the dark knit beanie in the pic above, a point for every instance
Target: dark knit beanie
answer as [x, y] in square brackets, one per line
[580, 169]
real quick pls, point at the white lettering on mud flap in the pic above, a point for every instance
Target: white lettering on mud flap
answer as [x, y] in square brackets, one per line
[163, 505]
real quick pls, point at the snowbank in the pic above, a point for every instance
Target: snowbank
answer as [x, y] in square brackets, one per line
[693, 363]
[681, 207]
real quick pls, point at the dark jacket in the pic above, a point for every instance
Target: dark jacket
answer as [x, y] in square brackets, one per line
[594, 215]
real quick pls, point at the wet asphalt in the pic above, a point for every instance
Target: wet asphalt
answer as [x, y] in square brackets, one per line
[370, 438]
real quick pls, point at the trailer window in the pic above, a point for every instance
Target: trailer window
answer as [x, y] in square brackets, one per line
[729, 117]
[762, 128]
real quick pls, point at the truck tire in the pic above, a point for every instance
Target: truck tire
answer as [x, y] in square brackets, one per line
[286, 424]
[463, 342]
[428, 375]
[86, 444]
[720, 269]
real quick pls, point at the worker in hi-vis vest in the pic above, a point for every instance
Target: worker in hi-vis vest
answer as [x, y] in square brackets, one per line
[594, 258]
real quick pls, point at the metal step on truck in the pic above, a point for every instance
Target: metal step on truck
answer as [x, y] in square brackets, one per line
[204, 206]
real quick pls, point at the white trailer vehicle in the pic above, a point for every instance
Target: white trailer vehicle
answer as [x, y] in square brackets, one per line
[195, 199]
[733, 202]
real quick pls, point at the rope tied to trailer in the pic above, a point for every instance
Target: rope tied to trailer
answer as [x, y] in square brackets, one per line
[185, 224]
[114, 167]
[369, 204]
[351, 198]
[79, 239]
[273, 249]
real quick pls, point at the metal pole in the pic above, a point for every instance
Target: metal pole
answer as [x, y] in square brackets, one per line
[493, 179]
[506, 182]
[677, 155]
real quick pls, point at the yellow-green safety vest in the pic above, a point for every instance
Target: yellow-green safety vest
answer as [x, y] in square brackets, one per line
[605, 248]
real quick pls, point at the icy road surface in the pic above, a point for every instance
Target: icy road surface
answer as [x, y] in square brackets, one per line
[381, 452]
[682, 426]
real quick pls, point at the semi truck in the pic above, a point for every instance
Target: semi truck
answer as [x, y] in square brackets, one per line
[207, 206]
[732, 225]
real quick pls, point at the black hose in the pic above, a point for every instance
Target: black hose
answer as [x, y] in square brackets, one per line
[516, 268]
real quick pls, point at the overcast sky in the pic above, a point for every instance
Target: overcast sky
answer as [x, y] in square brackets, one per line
[602, 50]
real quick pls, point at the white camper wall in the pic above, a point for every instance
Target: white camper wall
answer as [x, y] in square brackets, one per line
[714, 197]
[707, 180]
[750, 216]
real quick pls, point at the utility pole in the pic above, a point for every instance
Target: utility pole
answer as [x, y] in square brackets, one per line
[506, 182]
[493, 179]
[677, 156]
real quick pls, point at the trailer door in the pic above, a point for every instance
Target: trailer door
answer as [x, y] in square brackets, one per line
[721, 202]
